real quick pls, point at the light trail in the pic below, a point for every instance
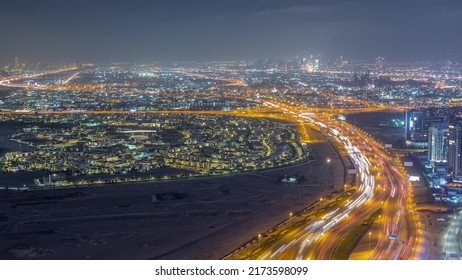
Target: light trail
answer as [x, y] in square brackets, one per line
[320, 239]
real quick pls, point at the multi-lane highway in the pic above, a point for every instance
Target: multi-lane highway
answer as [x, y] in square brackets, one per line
[453, 238]
[9, 82]
[381, 185]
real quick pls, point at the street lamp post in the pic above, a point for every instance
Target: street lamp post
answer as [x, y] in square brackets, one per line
[259, 239]
[290, 220]
[370, 244]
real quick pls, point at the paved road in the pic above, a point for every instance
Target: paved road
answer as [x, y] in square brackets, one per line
[382, 184]
[453, 238]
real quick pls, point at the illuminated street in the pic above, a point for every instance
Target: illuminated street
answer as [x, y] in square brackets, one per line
[381, 186]
[453, 239]
[234, 140]
[89, 125]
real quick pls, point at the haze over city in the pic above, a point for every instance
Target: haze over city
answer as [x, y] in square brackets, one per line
[231, 130]
[205, 30]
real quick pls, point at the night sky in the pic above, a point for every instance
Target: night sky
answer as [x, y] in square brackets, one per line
[195, 30]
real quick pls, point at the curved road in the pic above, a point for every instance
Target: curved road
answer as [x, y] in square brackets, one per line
[382, 185]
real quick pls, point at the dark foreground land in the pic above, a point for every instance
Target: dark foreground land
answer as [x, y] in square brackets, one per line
[202, 218]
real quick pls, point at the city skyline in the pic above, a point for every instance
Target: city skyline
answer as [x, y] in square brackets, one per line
[142, 31]
[231, 130]
[206, 148]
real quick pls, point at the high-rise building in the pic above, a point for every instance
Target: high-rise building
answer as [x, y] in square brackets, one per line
[428, 122]
[414, 129]
[455, 148]
[417, 124]
[16, 62]
[438, 140]
[379, 62]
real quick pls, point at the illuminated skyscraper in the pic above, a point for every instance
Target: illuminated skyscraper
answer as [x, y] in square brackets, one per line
[438, 138]
[418, 124]
[455, 149]
[414, 129]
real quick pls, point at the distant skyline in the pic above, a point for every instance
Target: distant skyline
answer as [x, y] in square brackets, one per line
[205, 30]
